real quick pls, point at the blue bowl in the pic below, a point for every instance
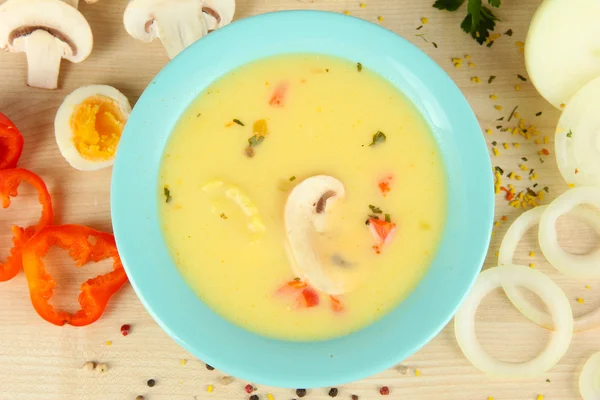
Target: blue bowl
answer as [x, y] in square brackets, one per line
[234, 350]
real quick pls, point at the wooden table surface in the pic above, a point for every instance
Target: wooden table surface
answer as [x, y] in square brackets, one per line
[39, 361]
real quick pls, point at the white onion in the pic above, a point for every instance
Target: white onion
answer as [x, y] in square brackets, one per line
[577, 266]
[577, 140]
[589, 379]
[507, 251]
[551, 295]
[561, 49]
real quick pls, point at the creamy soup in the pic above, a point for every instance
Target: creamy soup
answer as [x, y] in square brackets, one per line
[302, 197]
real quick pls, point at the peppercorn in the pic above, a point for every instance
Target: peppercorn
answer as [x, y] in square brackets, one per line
[300, 392]
[384, 391]
[140, 397]
[210, 367]
[254, 397]
[333, 392]
[125, 329]
[151, 382]
[354, 397]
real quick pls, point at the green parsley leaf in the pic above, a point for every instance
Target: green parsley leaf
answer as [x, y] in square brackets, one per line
[509, 32]
[449, 5]
[237, 121]
[494, 3]
[255, 140]
[480, 20]
[521, 77]
[492, 77]
[167, 194]
[292, 178]
[388, 218]
[375, 210]
[359, 67]
[500, 170]
[378, 137]
[570, 134]
[546, 189]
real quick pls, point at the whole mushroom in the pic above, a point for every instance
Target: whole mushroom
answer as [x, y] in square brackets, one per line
[46, 31]
[177, 23]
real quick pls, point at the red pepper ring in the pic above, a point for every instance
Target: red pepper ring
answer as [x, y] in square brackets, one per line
[10, 179]
[84, 245]
[11, 143]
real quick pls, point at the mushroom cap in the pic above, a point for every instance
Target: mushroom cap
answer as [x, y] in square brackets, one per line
[306, 214]
[140, 15]
[19, 18]
[218, 13]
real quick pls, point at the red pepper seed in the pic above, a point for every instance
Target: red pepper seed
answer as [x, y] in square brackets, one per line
[248, 388]
[125, 329]
[384, 391]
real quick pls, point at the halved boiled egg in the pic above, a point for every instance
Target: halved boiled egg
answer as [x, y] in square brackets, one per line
[88, 126]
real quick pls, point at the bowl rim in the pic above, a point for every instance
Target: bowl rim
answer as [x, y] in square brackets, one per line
[466, 238]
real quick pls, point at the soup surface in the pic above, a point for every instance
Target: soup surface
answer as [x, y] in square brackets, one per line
[257, 133]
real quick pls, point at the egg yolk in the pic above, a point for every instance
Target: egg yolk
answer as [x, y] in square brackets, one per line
[96, 125]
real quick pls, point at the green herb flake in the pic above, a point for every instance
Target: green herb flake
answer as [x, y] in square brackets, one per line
[422, 36]
[255, 140]
[521, 77]
[359, 67]
[500, 119]
[296, 279]
[524, 159]
[546, 189]
[535, 185]
[237, 121]
[199, 114]
[531, 171]
[509, 32]
[537, 114]
[498, 126]
[292, 178]
[570, 134]
[420, 27]
[498, 169]
[494, 143]
[167, 194]
[541, 160]
[388, 218]
[512, 114]
[378, 138]
[491, 43]
[375, 210]
[223, 216]
[491, 78]
[434, 44]
[531, 192]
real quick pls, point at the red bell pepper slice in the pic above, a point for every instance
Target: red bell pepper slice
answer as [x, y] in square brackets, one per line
[307, 298]
[278, 96]
[11, 143]
[10, 179]
[381, 229]
[83, 244]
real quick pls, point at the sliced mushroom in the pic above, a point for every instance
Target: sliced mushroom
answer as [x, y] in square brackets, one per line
[177, 23]
[46, 31]
[313, 247]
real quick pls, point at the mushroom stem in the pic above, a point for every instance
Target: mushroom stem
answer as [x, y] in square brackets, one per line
[44, 52]
[176, 31]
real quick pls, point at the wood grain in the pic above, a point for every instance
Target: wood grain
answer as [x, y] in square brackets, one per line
[42, 362]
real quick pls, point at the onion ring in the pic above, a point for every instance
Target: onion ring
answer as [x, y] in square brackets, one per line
[589, 385]
[509, 244]
[547, 290]
[577, 140]
[574, 265]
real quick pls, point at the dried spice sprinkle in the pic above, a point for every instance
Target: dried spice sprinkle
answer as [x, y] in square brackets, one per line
[333, 392]
[254, 397]
[300, 392]
[125, 329]
[151, 382]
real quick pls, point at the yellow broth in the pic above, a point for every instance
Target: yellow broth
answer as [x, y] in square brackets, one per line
[222, 204]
